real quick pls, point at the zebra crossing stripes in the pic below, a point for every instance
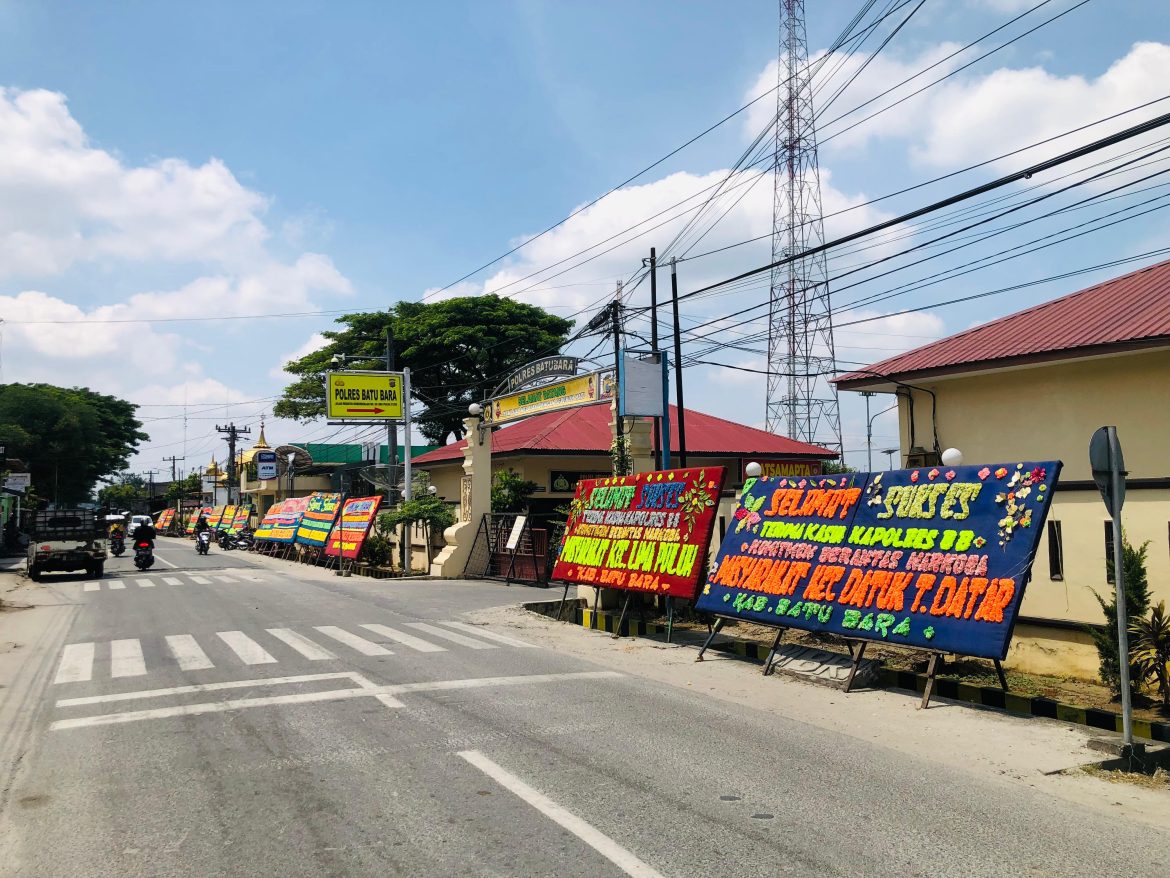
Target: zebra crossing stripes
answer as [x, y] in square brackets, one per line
[365, 647]
[150, 581]
[76, 663]
[303, 645]
[127, 657]
[144, 583]
[200, 580]
[450, 635]
[249, 651]
[409, 640]
[188, 653]
[115, 584]
[92, 586]
[172, 580]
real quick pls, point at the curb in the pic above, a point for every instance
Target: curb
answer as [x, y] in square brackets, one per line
[953, 690]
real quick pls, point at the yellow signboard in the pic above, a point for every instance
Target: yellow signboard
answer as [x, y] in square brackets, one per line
[582, 390]
[364, 396]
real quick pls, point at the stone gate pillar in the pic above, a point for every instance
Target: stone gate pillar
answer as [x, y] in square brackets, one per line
[475, 499]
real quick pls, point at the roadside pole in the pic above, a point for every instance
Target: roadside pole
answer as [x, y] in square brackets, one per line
[678, 367]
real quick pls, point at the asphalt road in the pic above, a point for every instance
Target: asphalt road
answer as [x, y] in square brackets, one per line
[225, 717]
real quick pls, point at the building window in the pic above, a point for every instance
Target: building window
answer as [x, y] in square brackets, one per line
[1055, 551]
[1109, 552]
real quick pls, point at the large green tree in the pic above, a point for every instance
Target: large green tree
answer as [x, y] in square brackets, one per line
[71, 437]
[126, 489]
[457, 350]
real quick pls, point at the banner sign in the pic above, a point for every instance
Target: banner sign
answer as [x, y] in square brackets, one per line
[226, 517]
[347, 537]
[587, 389]
[935, 558]
[240, 520]
[782, 468]
[646, 532]
[164, 519]
[264, 529]
[214, 518]
[205, 511]
[547, 367]
[367, 396]
[288, 519]
[318, 519]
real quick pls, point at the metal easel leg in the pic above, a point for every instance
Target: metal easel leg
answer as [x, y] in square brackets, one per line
[617, 631]
[714, 630]
[772, 651]
[1003, 684]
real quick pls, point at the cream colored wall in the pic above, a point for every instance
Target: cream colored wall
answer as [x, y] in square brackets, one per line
[1050, 412]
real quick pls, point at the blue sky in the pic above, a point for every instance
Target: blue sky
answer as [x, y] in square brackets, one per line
[263, 157]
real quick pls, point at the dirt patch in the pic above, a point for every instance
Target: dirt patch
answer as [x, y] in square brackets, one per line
[1159, 780]
[977, 672]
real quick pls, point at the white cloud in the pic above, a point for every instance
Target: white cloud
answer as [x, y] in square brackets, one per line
[314, 343]
[64, 201]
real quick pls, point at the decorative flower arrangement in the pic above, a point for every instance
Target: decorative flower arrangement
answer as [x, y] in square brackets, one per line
[748, 515]
[984, 473]
[694, 501]
[914, 476]
[932, 475]
[874, 491]
[1014, 500]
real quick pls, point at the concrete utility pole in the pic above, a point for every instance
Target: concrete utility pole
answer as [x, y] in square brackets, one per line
[150, 474]
[233, 433]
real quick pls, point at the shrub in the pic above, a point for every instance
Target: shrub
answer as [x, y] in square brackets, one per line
[1137, 602]
[1150, 649]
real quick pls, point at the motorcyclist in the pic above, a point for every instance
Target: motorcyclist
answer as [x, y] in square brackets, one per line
[116, 531]
[202, 525]
[144, 533]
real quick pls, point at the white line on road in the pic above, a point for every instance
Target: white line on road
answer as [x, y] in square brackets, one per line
[188, 653]
[159, 557]
[249, 651]
[200, 687]
[115, 583]
[76, 663]
[366, 691]
[92, 586]
[480, 631]
[172, 580]
[226, 578]
[406, 639]
[450, 635]
[596, 839]
[199, 580]
[126, 658]
[301, 644]
[144, 583]
[365, 647]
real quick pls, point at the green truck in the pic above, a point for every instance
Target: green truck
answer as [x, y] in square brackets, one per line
[66, 539]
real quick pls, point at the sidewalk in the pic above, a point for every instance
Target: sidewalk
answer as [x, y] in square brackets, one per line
[990, 744]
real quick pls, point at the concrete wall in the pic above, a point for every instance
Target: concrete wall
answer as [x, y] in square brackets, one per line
[1049, 412]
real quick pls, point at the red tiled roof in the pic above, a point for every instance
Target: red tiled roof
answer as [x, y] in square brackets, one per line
[587, 430]
[1128, 311]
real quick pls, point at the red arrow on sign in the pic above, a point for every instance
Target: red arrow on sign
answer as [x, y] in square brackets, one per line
[373, 411]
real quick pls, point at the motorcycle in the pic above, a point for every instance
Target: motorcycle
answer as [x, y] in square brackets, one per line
[143, 555]
[245, 542]
[225, 541]
[117, 546]
[203, 542]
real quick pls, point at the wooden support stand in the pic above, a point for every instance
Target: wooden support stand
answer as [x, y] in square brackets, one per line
[714, 630]
[772, 651]
[855, 659]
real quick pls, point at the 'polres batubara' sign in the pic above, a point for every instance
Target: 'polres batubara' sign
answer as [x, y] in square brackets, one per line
[647, 532]
[935, 558]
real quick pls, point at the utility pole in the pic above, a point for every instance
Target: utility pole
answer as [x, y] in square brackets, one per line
[150, 474]
[174, 472]
[615, 314]
[868, 394]
[678, 376]
[654, 344]
[233, 433]
[391, 427]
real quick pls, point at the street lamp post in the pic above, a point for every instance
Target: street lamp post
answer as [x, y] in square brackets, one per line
[869, 429]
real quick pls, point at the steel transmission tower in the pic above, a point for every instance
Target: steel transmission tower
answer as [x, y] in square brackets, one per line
[801, 356]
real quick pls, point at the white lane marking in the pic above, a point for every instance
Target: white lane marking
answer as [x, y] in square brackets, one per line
[596, 839]
[200, 687]
[126, 658]
[249, 651]
[406, 639]
[366, 691]
[144, 583]
[76, 663]
[172, 580]
[188, 653]
[365, 647]
[115, 583]
[159, 557]
[200, 580]
[480, 631]
[226, 578]
[301, 644]
[92, 586]
[450, 635]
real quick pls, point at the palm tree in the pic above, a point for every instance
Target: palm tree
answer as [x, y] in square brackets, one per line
[1151, 649]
